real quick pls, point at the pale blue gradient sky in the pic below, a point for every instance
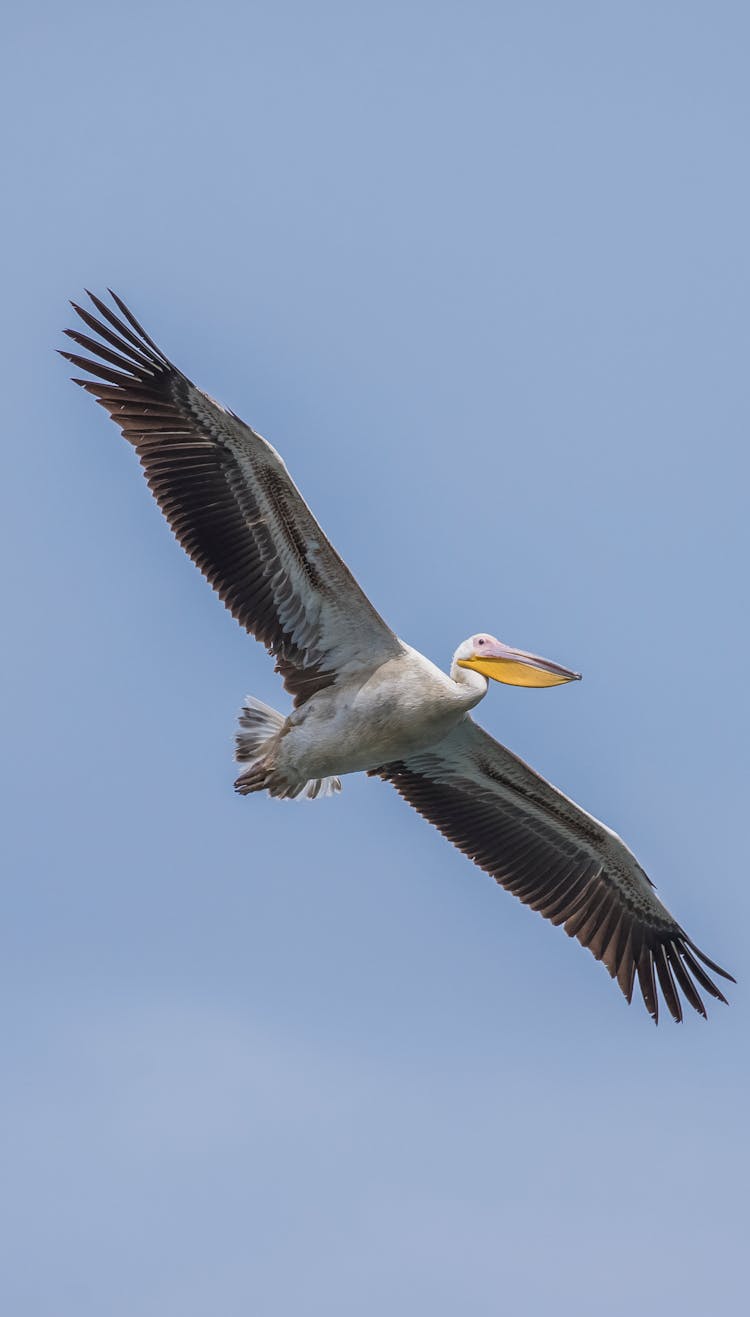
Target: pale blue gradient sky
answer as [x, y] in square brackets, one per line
[481, 273]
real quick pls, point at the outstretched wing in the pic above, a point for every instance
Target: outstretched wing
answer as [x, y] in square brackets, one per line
[556, 858]
[235, 510]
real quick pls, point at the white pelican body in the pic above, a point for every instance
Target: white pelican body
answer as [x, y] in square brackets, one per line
[402, 705]
[363, 699]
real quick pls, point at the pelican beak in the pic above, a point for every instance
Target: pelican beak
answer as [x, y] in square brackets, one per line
[517, 668]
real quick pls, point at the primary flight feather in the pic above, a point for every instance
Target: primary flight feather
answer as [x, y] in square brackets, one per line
[363, 699]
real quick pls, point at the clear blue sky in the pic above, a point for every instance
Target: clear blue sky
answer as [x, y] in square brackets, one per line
[481, 273]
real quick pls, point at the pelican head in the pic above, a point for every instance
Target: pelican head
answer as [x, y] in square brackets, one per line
[489, 656]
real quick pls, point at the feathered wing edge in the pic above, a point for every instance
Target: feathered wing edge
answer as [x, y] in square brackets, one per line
[232, 505]
[560, 875]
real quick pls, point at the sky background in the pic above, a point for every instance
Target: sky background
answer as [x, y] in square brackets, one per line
[480, 272]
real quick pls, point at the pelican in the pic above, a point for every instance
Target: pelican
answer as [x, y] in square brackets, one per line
[363, 699]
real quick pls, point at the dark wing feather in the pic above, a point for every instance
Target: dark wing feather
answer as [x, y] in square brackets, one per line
[234, 508]
[558, 859]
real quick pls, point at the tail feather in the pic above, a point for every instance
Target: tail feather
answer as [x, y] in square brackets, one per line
[259, 727]
[258, 778]
[258, 723]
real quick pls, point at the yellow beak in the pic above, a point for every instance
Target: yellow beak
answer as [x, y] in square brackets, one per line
[516, 668]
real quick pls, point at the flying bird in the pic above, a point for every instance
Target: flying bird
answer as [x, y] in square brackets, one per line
[363, 699]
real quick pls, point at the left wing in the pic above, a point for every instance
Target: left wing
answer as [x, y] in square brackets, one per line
[556, 858]
[234, 508]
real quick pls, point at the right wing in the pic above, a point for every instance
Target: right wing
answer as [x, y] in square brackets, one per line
[556, 858]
